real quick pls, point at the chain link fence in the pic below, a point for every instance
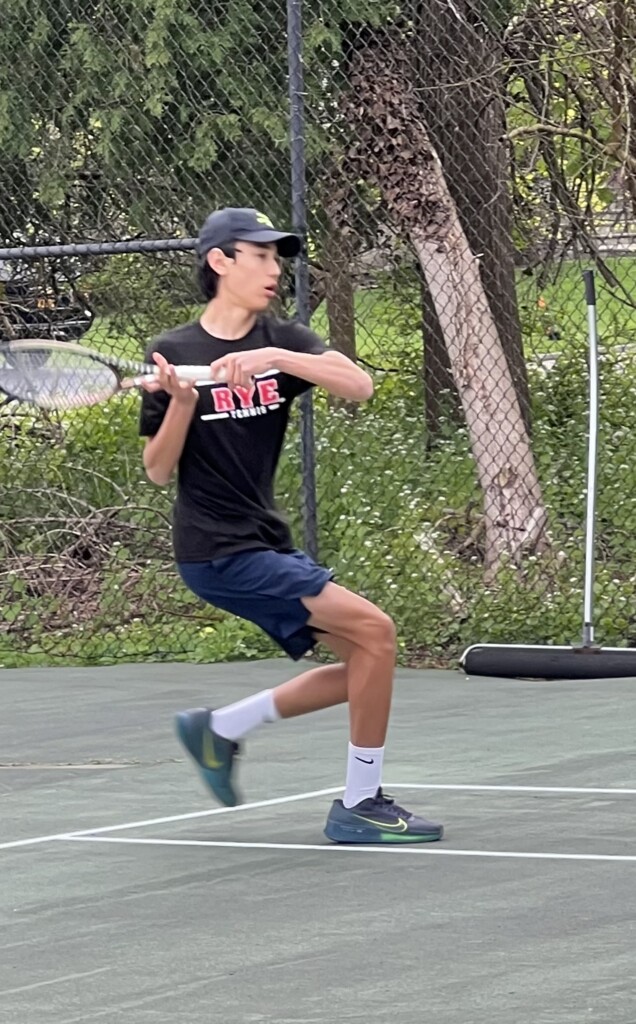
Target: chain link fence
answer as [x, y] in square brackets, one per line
[454, 165]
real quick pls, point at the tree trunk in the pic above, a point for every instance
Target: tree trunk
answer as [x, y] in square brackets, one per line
[513, 508]
[340, 302]
[623, 86]
[440, 394]
[461, 103]
[393, 149]
[339, 295]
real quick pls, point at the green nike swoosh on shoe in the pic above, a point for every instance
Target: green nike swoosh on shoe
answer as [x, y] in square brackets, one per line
[379, 820]
[213, 754]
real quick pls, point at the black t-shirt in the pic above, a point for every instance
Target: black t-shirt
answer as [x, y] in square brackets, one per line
[225, 488]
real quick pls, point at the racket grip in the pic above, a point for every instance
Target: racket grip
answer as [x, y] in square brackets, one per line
[590, 290]
[194, 373]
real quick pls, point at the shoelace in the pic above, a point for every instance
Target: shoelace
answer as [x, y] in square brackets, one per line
[388, 805]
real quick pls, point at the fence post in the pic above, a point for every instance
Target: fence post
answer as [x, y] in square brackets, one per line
[299, 218]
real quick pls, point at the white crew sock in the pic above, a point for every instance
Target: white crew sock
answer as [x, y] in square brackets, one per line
[364, 774]
[236, 720]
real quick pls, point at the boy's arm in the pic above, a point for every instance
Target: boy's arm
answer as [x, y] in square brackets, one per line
[335, 372]
[163, 449]
[330, 370]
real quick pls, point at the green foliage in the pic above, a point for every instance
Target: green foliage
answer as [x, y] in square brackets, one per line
[120, 117]
[566, 110]
[141, 115]
[86, 573]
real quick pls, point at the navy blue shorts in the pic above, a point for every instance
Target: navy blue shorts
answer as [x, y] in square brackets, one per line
[264, 587]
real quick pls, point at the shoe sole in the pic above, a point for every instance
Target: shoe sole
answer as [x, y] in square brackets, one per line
[339, 833]
[224, 795]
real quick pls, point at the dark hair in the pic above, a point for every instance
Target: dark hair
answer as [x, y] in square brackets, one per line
[208, 278]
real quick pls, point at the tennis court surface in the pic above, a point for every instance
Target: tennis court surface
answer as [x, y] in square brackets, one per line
[126, 895]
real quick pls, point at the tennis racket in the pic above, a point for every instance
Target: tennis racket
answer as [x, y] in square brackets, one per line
[60, 375]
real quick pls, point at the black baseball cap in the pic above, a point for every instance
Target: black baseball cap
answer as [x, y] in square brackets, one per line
[243, 225]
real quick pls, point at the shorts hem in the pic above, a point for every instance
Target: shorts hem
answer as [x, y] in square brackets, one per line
[298, 644]
[274, 604]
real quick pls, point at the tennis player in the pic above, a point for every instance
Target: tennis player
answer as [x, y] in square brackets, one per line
[232, 546]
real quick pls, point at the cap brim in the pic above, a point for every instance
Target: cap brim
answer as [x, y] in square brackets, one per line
[288, 245]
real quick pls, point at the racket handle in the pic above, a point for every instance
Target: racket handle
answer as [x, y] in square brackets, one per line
[189, 373]
[194, 373]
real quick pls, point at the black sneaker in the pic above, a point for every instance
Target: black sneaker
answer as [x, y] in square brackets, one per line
[379, 820]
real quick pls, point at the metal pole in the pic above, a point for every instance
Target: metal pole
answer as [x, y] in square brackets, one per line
[299, 217]
[133, 245]
[588, 596]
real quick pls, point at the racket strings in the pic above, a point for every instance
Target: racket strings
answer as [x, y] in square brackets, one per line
[54, 380]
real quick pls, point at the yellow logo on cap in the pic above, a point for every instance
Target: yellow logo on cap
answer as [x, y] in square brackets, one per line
[262, 218]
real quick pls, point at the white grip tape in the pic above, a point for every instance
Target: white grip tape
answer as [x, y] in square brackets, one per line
[194, 373]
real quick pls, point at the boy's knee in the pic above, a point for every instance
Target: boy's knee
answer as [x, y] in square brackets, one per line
[376, 632]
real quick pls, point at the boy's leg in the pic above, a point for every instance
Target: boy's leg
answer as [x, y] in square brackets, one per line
[364, 638]
[366, 815]
[370, 659]
[313, 690]
[371, 662]
[211, 737]
[318, 688]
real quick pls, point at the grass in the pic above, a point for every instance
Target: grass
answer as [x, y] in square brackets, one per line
[554, 317]
[388, 319]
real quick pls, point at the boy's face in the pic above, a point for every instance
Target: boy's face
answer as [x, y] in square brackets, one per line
[250, 280]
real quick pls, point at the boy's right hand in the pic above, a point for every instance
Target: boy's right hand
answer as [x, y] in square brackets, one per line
[166, 380]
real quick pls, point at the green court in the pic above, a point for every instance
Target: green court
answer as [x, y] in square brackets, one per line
[126, 895]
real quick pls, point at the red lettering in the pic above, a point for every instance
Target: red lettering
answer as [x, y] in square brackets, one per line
[223, 400]
[246, 396]
[268, 392]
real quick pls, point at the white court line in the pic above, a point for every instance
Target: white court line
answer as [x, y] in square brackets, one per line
[510, 789]
[307, 796]
[389, 848]
[172, 817]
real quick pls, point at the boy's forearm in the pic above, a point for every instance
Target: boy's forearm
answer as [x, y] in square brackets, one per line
[331, 370]
[163, 451]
